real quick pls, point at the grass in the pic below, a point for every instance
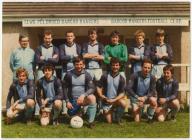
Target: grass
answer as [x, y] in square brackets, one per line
[129, 129]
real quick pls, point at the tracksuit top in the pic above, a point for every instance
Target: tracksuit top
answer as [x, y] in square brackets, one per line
[97, 48]
[21, 93]
[165, 48]
[67, 53]
[51, 89]
[112, 86]
[75, 85]
[22, 57]
[168, 90]
[138, 86]
[143, 51]
[48, 54]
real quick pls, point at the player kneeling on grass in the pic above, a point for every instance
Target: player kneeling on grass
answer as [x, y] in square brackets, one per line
[142, 90]
[49, 96]
[22, 91]
[167, 93]
[111, 90]
[78, 91]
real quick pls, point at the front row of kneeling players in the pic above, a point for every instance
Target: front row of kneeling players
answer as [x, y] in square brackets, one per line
[79, 93]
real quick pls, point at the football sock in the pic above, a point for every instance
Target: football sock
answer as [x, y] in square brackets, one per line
[29, 113]
[119, 113]
[150, 112]
[91, 112]
[64, 109]
[56, 113]
[174, 111]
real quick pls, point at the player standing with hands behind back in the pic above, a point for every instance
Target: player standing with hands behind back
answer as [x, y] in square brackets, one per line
[23, 57]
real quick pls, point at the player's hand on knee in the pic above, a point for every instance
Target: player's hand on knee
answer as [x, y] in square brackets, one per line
[55, 56]
[111, 101]
[80, 100]
[141, 104]
[104, 99]
[69, 105]
[15, 104]
[162, 101]
[46, 101]
[142, 99]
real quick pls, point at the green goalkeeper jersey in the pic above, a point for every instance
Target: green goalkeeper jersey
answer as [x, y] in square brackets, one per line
[119, 51]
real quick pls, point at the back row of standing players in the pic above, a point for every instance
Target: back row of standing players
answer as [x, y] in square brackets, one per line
[93, 52]
[141, 88]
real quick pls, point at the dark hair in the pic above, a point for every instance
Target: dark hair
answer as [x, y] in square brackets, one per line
[48, 66]
[78, 59]
[70, 31]
[114, 60]
[114, 33]
[47, 32]
[20, 70]
[21, 36]
[92, 30]
[146, 61]
[169, 67]
[160, 32]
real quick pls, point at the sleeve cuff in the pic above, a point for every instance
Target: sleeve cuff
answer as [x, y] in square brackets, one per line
[67, 100]
[71, 56]
[50, 99]
[167, 99]
[142, 57]
[20, 100]
[145, 97]
[136, 96]
[85, 94]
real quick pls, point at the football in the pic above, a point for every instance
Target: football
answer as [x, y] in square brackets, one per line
[76, 122]
[44, 121]
[45, 116]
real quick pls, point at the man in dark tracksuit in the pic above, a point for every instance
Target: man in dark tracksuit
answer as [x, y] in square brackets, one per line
[111, 90]
[50, 92]
[161, 54]
[142, 89]
[67, 52]
[138, 52]
[22, 91]
[167, 93]
[46, 53]
[93, 53]
[78, 90]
